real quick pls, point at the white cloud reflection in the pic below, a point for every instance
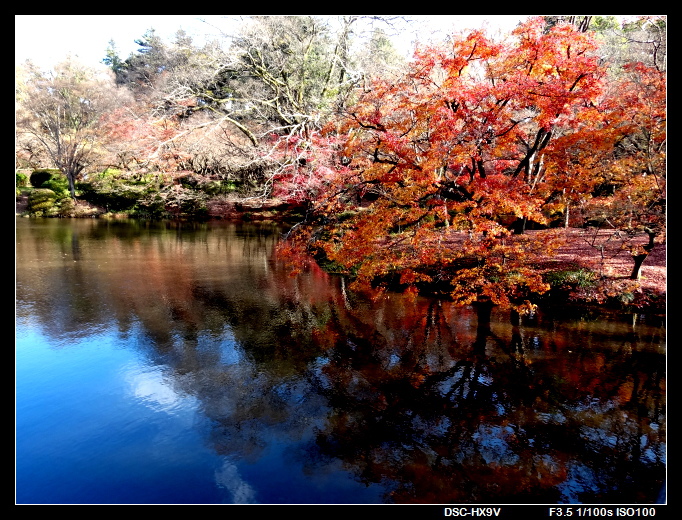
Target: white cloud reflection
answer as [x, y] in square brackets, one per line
[148, 386]
[228, 478]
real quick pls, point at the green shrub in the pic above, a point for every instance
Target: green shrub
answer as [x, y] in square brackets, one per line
[113, 196]
[38, 177]
[152, 206]
[214, 187]
[57, 183]
[42, 201]
[218, 187]
[173, 202]
[229, 186]
[111, 172]
[572, 278]
[196, 210]
[189, 204]
[22, 180]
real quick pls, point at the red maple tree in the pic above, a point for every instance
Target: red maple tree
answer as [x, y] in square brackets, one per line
[434, 177]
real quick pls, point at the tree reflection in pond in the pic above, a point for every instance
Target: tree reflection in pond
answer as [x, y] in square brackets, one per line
[503, 420]
[410, 395]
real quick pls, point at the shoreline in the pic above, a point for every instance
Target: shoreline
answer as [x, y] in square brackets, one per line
[614, 265]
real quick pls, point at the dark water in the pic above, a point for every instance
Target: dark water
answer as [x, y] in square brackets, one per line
[184, 363]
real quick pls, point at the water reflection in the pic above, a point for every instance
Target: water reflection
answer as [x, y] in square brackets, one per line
[241, 492]
[309, 393]
[502, 420]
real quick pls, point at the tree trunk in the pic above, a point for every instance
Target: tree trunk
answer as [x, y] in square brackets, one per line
[484, 307]
[637, 269]
[72, 185]
[519, 226]
[640, 257]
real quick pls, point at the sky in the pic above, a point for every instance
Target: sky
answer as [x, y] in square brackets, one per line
[88, 36]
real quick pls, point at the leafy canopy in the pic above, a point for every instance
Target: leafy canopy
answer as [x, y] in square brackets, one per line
[426, 175]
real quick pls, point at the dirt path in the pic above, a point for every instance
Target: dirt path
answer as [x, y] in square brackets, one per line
[617, 263]
[603, 251]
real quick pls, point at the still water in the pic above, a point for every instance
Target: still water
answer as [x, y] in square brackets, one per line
[185, 363]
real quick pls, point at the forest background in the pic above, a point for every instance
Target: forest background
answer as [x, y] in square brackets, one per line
[471, 167]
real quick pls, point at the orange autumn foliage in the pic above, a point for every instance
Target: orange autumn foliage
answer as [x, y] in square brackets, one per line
[425, 179]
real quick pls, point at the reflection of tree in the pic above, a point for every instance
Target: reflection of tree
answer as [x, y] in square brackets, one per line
[501, 421]
[51, 276]
[410, 393]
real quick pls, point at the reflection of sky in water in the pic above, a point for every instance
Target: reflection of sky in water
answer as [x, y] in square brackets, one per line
[580, 479]
[147, 384]
[317, 371]
[96, 423]
[230, 354]
[228, 477]
[493, 444]
[393, 360]
[132, 433]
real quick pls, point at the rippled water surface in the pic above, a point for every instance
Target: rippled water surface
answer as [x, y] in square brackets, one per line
[185, 363]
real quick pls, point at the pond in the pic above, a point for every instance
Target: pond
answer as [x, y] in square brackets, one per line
[184, 363]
